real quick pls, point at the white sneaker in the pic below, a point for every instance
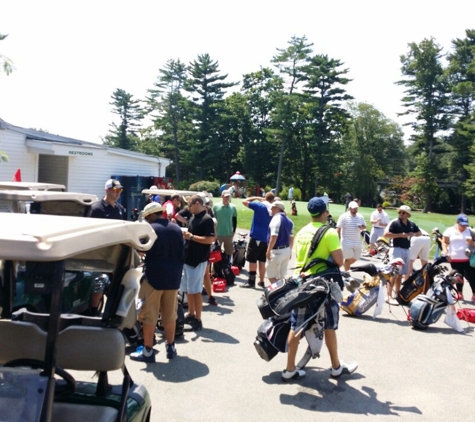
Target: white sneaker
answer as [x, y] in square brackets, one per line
[345, 368]
[292, 375]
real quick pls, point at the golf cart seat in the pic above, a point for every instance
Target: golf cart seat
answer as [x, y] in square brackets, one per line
[79, 348]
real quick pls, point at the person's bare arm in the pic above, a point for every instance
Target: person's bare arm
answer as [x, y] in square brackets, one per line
[338, 257]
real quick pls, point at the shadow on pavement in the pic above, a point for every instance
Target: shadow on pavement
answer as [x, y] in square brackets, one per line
[329, 395]
[180, 369]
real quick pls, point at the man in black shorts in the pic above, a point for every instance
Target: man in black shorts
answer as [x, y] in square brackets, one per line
[257, 248]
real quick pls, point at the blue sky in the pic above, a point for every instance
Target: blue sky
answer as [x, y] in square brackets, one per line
[70, 56]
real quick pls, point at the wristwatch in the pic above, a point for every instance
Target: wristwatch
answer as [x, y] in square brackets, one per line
[192, 236]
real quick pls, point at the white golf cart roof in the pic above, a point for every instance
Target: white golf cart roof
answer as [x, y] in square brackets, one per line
[29, 237]
[52, 202]
[32, 186]
[47, 195]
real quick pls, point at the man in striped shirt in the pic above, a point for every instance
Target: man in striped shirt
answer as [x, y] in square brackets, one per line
[349, 227]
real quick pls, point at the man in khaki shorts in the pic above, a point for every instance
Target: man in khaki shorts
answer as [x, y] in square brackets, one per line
[159, 287]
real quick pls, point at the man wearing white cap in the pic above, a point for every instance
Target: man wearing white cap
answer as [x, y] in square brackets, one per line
[400, 230]
[280, 243]
[349, 227]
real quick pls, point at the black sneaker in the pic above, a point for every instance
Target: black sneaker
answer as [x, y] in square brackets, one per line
[212, 301]
[189, 318]
[196, 325]
[247, 285]
[171, 351]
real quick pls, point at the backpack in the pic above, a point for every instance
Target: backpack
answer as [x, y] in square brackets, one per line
[272, 337]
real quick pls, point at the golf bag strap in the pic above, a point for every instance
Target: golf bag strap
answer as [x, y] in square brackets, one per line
[316, 261]
[317, 237]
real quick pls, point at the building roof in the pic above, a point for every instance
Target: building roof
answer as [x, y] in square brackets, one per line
[37, 135]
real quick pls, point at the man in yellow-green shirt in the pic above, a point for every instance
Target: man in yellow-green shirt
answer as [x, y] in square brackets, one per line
[329, 249]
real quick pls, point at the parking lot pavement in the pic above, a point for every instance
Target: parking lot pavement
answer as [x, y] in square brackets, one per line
[403, 373]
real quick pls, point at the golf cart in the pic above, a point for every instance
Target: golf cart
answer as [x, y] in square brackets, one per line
[34, 347]
[46, 202]
[32, 186]
[79, 285]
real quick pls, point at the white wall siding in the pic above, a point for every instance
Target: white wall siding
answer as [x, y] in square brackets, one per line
[13, 144]
[88, 175]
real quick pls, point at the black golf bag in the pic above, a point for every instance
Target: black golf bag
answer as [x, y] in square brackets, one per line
[427, 309]
[223, 269]
[420, 281]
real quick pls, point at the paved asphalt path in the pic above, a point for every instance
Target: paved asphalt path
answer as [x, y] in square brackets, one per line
[403, 373]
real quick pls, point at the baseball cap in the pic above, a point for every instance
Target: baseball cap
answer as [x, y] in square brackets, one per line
[205, 197]
[112, 183]
[151, 208]
[353, 204]
[317, 205]
[462, 219]
[226, 193]
[278, 204]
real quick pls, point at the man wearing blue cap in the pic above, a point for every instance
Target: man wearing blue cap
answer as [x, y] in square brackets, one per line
[329, 249]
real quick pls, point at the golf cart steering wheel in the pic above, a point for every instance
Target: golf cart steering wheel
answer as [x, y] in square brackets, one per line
[60, 390]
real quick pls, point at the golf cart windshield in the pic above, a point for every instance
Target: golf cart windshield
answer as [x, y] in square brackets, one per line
[46, 202]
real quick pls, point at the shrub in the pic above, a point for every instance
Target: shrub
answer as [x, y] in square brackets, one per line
[386, 204]
[211, 187]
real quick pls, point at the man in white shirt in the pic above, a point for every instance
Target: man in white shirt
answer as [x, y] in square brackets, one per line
[379, 219]
[349, 227]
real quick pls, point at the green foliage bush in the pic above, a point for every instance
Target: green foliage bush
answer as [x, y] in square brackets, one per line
[386, 204]
[211, 187]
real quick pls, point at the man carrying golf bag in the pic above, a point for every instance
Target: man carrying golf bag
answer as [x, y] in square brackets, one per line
[328, 249]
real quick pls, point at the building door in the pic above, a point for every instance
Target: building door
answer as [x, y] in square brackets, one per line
[53, 169]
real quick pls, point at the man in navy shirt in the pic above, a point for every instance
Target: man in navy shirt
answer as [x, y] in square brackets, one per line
[159, 288]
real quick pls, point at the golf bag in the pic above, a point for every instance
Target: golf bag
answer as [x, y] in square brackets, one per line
[272, 337]
[223, 269]
[364, 298]
[273, 294]
[420, 281]
[134, 335]
[366, 236]
[427, 309]
[239, 253]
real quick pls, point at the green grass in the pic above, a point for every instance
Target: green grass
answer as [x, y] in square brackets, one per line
[426, 221]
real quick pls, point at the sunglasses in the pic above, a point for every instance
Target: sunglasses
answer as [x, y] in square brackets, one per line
[402, 212]
[117, 189]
